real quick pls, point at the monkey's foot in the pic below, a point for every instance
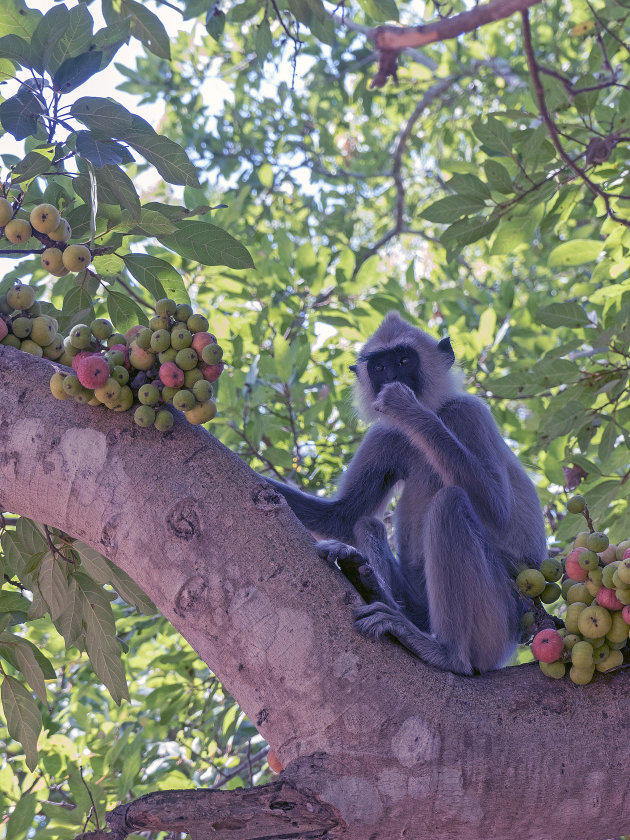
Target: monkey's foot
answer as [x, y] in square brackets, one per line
[377, 619]
[354, 567]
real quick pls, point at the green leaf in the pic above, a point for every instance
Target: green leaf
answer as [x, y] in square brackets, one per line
[70, 622]
[567, 314]
[157, 276]
[498, 177]
[114, 187]
[262, 40]
[98, 151]
[607, 442]
[24, 721]
[17, 18]
[49, 32]
[380, 10]
[451, 208]
[22, 816]
[77, 307]
[75, 41]
[148, 28]
[13, 602]
[53, 584]
[30, 536]
[102, 116]
[19, 113]
[30, 167]
[124, 312]
[215, 22]
[208, 245]
[20, 654]
[18, 50]
[170, 160]
[102, 571]
[575, 252]
[469, 185]
[568, 418]
[151, 221]
[494, 135]
[468, 230]
[75, 71]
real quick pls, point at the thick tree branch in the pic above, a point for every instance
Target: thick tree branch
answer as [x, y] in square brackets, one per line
[395, 747]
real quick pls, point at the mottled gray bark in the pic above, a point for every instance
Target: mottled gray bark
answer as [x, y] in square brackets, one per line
[396, 748]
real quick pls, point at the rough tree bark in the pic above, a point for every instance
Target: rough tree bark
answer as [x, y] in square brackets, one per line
[375, 743]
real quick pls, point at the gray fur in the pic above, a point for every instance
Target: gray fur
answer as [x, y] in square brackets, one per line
[467, 519]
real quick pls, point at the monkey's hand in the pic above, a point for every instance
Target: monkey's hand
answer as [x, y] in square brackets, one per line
[393, 398]
[354, 567]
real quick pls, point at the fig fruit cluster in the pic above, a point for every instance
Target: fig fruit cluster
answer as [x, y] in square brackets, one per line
[45, 222]
[23, 325]
[595, 605]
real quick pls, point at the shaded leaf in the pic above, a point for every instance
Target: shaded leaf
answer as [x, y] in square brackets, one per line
[157, 276]
[18, 50]
[494, 135]
[102, 115]
[168, 157]
[208, 245]
[19, 113]
[23, 718]
[75, 71]
[124, 312]
[75, 41]
[98, 151]
[53, 584]
[567, 314]
[148, 28]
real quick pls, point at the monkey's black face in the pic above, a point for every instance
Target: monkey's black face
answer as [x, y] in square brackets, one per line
[396, 364]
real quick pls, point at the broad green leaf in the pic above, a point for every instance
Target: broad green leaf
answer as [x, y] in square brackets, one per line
[498, 177]
[282, 358]
[169, 158]
[494, 135]
[380, 10]
[102, 116]
[30, 536]
[566, 314]
[98, 151]
[30, 167]
[575, 252]
[452, 207]
[13, 602]
[468, 230]
[124, 312]
[19, 113]
[22, 816]
[20, 654]
[78, 307]
[114, 187]
[208, 245]
[79, 220]
[469, 185]
[49, 32]
[53, 584]
[151, 222]
[215, 22]
[607, 442]
[75, 41]
[18, 50]
[23, 718]
[157, 276]
[70, 622]
[148, 28]
[75, 71]
[16, 18]
[568, 418]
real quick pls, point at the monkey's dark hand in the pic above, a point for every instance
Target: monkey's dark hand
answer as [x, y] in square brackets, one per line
[354, 567]
[394, 397]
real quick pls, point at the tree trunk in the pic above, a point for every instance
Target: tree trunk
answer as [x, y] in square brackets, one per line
[385, 744]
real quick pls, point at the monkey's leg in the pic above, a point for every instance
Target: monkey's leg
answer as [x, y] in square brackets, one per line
[472, 604]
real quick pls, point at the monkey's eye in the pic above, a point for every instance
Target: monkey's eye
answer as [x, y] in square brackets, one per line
[378, 368]
[404, 361]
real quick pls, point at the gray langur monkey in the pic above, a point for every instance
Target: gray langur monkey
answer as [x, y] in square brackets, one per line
[467, 519]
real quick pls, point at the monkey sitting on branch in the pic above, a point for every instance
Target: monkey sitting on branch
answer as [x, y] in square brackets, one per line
[468, 517]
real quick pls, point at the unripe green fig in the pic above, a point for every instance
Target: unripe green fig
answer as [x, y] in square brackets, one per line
[551, 570]
[580, 540]
[20, 296]
[143, 338]
[212, 354]
[556, 670]
[181, 337]
[18, 231]
[120, 374]
[55, 348]
[619, 629]
[45, 218]
[22, 326]
[163, 421]
[144, 416]
[594, 622]
[184, 400]
[608, 573]
[11, 340]
[52, 261]
[183, 311]
[114, 358]
[571, 616]
[576, 504]
[622, 547]
[202, 413]
[167, 355]
[140, 359]
[582, 655]
[597, 541]
[579, 593]
[35, 309]
[192, 376]
[5, 307]
[56, 387]
[80, 336]
[109, 392]
[44, 330]
[623, 571]
[32, 347]
[588, 560]
[71, 385]
[165, 306]
[6, 211]
[527, 620]
[116, 338]
[550, 593]
[124, 400]
[84, 396]
[197, 323]
[159, 322]
[148, 394]
[76, 257]
[570, 640]
[613, 660]
[62, 232]
[186, 359]
[101, 329]
[531, 582]
[168, 393]
[160, 341]
[581, 676]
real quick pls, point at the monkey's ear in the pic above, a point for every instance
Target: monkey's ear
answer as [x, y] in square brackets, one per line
[444, 346]
[353, 368]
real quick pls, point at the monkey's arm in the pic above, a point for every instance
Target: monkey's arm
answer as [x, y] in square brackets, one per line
[463, 445]
[378, 464]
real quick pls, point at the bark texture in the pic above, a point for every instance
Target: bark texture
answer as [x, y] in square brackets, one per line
[394, 747]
